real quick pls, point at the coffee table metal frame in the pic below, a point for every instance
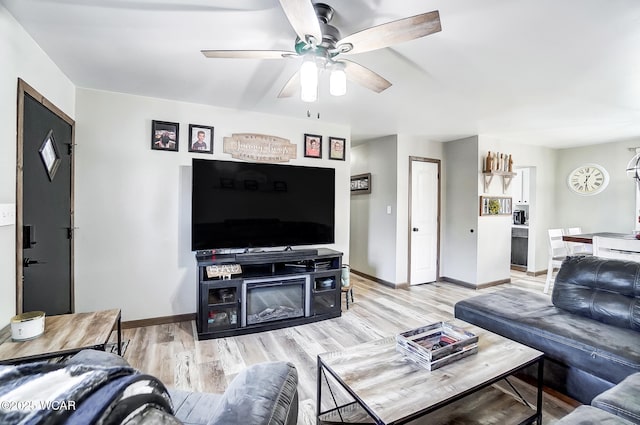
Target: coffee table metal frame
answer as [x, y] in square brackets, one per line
[324, 369]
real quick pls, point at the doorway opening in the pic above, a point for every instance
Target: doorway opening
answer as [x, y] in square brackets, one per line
[424, 220]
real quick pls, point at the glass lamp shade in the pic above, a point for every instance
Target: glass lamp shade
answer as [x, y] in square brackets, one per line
[309, 80]
[338, 81]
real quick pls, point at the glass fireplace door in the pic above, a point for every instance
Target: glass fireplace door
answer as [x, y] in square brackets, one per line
[271, 300]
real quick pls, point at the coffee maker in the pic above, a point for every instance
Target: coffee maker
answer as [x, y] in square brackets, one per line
[519, 217]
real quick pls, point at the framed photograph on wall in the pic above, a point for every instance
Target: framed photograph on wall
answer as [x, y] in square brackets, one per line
[164, 135]
[312, 146]
[336, 148]
[200, 138]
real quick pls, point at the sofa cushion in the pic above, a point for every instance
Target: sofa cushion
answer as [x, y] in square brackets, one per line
[588, 415]
[262, 394]
[193, 408]
[605, 351]
[622, 400]
[602, 289]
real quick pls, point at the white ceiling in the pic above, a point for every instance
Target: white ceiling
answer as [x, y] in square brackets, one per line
[542, 72]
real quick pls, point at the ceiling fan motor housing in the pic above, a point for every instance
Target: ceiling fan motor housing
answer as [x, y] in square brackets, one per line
[330, 34]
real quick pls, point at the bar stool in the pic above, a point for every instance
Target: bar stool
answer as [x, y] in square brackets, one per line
[346, 288]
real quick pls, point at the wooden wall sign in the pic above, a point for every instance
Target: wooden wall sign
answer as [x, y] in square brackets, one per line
[259, 148]
[495, 205]
[361, 183]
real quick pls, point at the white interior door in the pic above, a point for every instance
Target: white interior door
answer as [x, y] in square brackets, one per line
[423, 226]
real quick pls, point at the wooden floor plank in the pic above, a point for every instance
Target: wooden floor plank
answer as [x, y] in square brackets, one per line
[173, 353]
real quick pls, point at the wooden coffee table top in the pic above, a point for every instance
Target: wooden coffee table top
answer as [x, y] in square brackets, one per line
[394, 387]
[63, 334]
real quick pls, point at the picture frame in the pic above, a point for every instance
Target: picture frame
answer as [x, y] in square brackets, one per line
[336, 148]
[495, 205]
[200, 138]
[50, 155]
[361, 184]
[312, 146]
[165, 135]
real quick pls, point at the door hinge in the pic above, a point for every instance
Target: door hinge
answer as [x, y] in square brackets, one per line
[70, 231]
[70, 148]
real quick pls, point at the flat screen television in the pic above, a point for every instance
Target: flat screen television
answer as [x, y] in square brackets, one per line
[257, 205]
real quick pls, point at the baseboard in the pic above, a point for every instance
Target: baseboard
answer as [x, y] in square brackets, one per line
[518, 268]
[537, 273]
[130, 324]
[458, 282]
[473, 286]
[381, 281]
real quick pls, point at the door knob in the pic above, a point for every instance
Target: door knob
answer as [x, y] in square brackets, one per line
[415, 229]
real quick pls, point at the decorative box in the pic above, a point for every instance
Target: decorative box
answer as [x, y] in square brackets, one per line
[27, 325]
[436, 345]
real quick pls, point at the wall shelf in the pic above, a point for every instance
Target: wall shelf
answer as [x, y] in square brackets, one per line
[507, 176]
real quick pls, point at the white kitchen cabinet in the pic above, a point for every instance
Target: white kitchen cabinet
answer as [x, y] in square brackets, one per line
[521, 186]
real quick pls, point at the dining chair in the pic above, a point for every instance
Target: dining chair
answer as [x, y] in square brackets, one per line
[557, 253]
[577, 248]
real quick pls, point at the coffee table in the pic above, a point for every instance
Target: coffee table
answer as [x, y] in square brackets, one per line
[391, 389]
[64, 335]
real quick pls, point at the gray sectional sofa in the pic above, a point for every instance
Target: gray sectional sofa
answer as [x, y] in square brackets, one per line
[589, 330]
[619, 405]
[103, 388]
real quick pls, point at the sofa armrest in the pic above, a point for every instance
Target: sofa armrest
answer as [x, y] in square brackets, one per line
[97, 358]
[589, 415]
[262, 394]
[622, 400]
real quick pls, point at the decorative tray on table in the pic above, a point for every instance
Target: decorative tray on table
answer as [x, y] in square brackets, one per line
[436, 345]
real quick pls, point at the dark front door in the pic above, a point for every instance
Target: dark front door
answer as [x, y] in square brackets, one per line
[46, 226]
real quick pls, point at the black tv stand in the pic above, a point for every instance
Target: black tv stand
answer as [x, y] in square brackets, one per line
[226, 309]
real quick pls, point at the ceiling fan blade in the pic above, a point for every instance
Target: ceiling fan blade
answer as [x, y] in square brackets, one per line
[391, 33]
[291, 87]
[364, 76]
[303, 19]
[248, 54]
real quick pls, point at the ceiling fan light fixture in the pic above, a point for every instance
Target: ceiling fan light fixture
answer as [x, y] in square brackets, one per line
[309, 79]
[338, 80]
[633, 168]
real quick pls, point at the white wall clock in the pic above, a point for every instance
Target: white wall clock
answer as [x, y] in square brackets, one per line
[588, 179]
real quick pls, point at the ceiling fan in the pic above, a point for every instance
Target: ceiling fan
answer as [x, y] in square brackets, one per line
[321, 46]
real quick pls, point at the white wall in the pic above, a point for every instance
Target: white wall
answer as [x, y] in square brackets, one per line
[133, 203]
[20, 57]
[459, 228]
[373, 231]
[543, 208]
[612, 210]
[409, 145]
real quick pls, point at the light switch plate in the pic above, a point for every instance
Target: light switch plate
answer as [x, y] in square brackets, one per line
[7, 214]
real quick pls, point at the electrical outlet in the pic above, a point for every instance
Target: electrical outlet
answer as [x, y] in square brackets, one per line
[7, 214]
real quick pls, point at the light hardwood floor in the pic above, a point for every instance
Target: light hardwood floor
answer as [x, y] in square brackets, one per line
[173, 353]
